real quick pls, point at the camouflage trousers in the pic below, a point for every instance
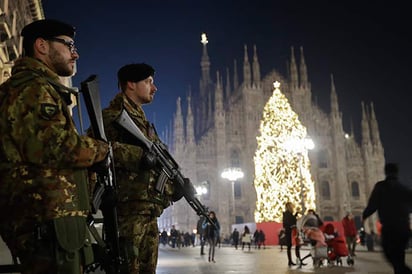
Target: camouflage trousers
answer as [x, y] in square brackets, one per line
[141, 234]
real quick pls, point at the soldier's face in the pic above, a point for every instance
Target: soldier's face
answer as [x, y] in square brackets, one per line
[62, 58]
[142, 92]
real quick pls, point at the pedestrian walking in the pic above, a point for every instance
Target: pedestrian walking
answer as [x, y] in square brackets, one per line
[393, 202]
[246, 237]
[211, 234]
[201, 233]
[350, 231]
[282, 238]
[261, 239]
[235, 237]
[289, 224]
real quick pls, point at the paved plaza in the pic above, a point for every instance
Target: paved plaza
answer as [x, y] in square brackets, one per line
[264, 261]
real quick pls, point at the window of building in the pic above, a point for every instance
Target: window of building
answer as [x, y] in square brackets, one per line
[355, 189]
[238, 190]
[234, 158]
[325, 190]
[323, 158]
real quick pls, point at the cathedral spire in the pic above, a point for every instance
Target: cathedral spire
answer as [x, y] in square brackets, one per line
[256, 68]
[246, 69]
[227, 84]
[293, 71]
[235, 76]
[352, 131]
[304, 83]
[178, 128]
[190, 133]
[205, 87]
[209, 117]
[334, 106]
[374, 128]
[366, 138]
[218, 94]
[205, 62]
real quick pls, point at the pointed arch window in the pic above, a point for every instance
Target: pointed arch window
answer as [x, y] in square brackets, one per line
[235, 158]
[355, 189]
[325, 190]
[323, 158]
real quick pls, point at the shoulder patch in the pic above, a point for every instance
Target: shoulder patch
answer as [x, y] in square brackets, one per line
[48, 111]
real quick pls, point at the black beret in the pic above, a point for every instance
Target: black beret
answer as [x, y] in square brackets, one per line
[47, 28]
[134, 72]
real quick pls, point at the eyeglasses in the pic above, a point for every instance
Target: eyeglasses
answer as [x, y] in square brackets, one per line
[69, 44]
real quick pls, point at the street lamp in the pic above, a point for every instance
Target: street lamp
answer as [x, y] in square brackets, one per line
[232, 174]
[201, 190]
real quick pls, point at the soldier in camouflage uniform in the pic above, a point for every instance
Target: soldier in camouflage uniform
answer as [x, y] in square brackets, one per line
[139, 204]
[43, 160]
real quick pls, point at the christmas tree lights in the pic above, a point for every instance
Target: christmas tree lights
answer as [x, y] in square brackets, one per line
[282, 167]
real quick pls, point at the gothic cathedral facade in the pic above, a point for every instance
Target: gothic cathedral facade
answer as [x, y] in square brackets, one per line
[220, 127]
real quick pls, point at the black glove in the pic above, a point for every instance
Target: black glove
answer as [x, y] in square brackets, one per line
[149, 160]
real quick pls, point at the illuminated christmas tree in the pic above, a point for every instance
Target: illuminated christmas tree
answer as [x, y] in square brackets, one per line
[282, 167]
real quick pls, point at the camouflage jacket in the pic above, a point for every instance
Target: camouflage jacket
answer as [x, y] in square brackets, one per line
[43, 159]
[136, 185]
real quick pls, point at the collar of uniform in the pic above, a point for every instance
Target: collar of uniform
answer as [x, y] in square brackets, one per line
[29, 63]
[132, 108]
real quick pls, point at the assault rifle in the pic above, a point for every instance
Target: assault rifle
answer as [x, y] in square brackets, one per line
[169, 169]
[107, 250]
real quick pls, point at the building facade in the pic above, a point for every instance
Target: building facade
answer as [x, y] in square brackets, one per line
[14, 15]
[220, 127]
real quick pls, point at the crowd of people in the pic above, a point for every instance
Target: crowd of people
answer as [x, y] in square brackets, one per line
[177, 239]
[393, 203]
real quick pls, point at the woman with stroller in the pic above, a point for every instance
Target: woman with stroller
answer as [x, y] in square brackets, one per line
[289, 224]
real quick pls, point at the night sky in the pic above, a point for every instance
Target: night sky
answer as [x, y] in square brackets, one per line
[367, 48]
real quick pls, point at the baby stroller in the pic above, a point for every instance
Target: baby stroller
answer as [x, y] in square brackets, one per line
[336, 246]
[311, 234]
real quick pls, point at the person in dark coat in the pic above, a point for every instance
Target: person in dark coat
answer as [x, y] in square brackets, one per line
[211, 234]
[201, 233]
[282, 238]
[392, 201]
[289, 223]
[235, 237]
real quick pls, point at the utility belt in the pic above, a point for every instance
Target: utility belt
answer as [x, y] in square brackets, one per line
[38, 231]
[44, 231]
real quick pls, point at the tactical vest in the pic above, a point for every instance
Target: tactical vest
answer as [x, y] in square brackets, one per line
[32, 195]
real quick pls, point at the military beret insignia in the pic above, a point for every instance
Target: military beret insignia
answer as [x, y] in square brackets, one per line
[48, 111]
